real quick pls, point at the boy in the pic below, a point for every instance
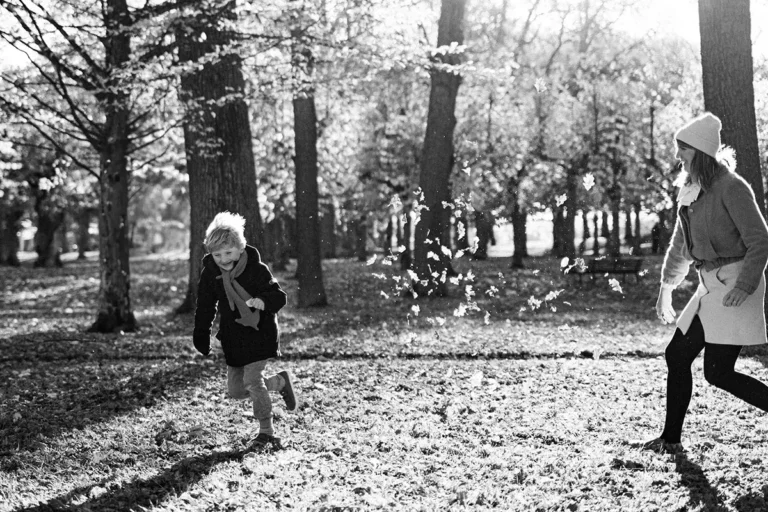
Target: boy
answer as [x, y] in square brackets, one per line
[248, 297]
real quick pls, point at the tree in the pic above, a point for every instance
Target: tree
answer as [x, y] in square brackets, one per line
[727, 75]
[309, 270]
[86, 84]
[217, 130]
[437, 154]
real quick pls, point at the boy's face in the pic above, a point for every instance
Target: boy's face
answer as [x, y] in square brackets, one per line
[226, 257]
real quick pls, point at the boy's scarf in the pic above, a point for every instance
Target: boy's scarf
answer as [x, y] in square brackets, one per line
[236, 294]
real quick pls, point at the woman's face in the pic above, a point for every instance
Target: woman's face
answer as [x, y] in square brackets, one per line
[685, 154]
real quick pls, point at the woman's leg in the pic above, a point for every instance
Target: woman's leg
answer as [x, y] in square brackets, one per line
[680, 354]
[719, 361]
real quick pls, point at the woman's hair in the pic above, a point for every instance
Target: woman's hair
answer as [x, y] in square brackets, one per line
[704, 168]
[227, 229]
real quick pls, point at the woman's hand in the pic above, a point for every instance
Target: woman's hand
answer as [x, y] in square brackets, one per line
[664, 309]
[735, 298]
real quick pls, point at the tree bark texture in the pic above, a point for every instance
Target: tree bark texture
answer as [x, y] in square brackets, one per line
[114, 304]
[217, 140]
[437, 153]
[727, 73]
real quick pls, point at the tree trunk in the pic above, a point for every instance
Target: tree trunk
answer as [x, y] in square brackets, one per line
[437, 153]
[328, 232]
[10, 225]
[406, 257]
[217, 141]
[584, 231]
[309, 270]
[628, 226]
[114, 304]
[361, 237]
[596, 231]
[569, 222]
[47, 246]
[558, 232]
[727, 73]
[615, 245]
[83, 234]
[519, 235]
[637, 239]
[484, 232]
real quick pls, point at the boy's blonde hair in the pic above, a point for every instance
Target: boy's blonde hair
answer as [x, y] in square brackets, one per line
[226, 229]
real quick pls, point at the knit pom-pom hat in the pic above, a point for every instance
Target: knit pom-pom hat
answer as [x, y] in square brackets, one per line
[703, 133]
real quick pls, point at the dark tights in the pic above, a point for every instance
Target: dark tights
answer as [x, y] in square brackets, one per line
[719, 361]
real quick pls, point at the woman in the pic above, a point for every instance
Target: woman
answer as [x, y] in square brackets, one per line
[721, 231]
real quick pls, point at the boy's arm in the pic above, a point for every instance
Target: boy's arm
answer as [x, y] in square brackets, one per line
[205, 312]
[269, 293]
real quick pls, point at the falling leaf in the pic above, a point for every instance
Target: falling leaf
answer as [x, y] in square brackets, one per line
[432, 256]
[415, 309]
[445, 250]
[540, 84]
[378, 275]
[534, 303]
[460, 311]
[459, 254]
[589, 181]
[371, 260]
[487, 318]
[559, 200]
[384, 294]
[461, 230]
[615, 286]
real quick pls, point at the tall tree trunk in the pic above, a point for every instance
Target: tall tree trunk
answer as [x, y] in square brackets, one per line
[727, 73]
[114, 304]
[309, 270]
[217, 140]
[596, 231]
[406, 257]
[437, 153]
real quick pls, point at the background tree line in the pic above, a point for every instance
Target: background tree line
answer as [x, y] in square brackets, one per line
[323, 121]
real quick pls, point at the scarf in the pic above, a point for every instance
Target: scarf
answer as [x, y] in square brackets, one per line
[688, 194]
[236, 294]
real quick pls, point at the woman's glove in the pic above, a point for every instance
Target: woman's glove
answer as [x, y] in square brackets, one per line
[664, 309]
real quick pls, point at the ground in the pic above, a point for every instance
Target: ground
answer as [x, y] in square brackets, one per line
[523, 390]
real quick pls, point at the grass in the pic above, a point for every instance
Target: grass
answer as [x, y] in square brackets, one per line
[514, 405]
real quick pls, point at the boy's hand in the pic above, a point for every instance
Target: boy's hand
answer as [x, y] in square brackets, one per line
[255, 303]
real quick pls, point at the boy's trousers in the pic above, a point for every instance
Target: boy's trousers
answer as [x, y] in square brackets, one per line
[248, 381]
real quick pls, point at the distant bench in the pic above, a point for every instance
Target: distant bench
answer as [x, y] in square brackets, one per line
[604, 265]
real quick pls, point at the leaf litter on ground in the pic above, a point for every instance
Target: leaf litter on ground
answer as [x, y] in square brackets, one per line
[533, 410]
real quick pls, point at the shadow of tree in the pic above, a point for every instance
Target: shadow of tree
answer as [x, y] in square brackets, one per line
[139, 494]
[69, 396]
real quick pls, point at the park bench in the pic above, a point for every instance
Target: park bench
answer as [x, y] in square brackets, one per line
[605, 265]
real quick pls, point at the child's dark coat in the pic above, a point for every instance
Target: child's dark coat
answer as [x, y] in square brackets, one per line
[242, 345]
